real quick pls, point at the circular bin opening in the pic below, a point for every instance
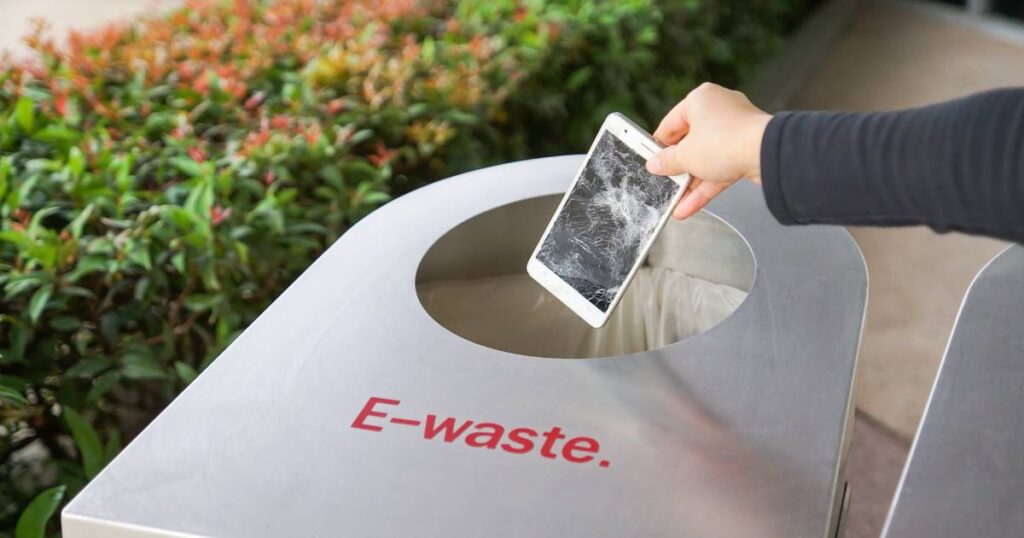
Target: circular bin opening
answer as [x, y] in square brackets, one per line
[473, 282]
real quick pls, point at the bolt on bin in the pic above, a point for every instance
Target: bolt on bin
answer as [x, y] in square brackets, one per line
[414, 382]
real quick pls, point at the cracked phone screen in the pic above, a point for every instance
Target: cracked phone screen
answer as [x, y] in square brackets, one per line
[611, 213]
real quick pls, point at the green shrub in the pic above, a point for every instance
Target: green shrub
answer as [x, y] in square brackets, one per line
[161, 182]
[638, 57]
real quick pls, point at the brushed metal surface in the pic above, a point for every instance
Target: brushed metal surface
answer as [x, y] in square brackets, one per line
[737, 431]
[965, 472]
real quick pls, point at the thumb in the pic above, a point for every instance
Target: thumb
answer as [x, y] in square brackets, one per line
[671, 161]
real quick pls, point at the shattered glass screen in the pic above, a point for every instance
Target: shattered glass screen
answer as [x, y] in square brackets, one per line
[611, 213]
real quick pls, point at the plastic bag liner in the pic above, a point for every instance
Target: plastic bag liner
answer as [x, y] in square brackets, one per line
[697, 273]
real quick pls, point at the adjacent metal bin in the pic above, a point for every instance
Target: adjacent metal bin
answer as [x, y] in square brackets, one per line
[965, 472]
[351, 408]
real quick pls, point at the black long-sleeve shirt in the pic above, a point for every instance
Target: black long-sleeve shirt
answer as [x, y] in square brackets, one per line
[952, 166]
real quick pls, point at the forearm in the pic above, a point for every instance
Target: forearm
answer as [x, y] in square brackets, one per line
[953, 166]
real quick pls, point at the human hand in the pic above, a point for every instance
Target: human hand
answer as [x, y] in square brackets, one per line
[715, 135]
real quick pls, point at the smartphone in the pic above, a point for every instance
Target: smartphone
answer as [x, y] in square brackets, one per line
[606, 223]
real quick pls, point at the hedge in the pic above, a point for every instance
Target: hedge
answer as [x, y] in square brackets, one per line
[163, 180]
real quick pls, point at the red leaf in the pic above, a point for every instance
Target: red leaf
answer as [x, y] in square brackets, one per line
[197, 154]
[218, 214]
[60, 104]
[254, 101]
[382, 155]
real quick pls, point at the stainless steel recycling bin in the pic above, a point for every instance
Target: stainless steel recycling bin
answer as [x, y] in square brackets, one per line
[346, 410]
[965, 471]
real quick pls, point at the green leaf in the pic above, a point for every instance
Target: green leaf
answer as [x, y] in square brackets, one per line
[57, 135]
[12, 397]
[65, 323]
[88, 367]
[16, 285]
[39, 302]
[332, 176]
[123, 177]
[6, 164]
[32, 523]
[290, 92]
[15, 198]
[102, 385]
[243, 252]
[188, 166]
[20, 335]
[460, 117]
[21, 239]
[416, 110]
[25, 114]
[202, 302]
[77, 291]
[76, 161]
[113, 446]
[87, 441]
[200, 200]
[360, 136]
[141, 288]
[158, 122]
[76, 225]
[139, 365]
[376, 197]
[85, 266]
[42, 165]
[37, 219]
[306, 228]
[185, 372]
[359, 171]
[101, 245]
[179, 216]
[209, 277]
[428, 50]
[139, 255]
[178, 261]
[44, 252]
[579, 78]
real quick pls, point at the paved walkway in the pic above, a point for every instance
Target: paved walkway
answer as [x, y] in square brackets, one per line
[16, 16]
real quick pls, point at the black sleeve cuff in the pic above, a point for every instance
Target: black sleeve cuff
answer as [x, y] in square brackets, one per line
[771, 169]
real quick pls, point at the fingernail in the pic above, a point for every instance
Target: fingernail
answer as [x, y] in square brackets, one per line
[654, 164]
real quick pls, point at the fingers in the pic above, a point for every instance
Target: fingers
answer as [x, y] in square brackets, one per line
[671, 161]
[674, 125]
[697, 197]
[692, 186]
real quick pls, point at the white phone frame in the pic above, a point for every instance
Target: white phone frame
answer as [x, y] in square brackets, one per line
[644, 145]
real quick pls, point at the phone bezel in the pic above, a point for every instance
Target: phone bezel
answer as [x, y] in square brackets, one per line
[642, 144]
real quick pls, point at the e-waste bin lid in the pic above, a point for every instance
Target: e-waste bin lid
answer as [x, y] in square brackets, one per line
[338, 411]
